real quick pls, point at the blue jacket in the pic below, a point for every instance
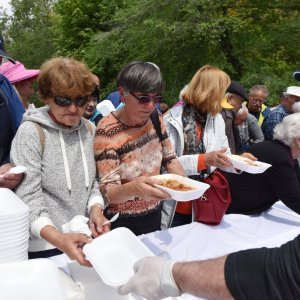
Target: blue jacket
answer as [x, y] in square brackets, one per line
[11, 114]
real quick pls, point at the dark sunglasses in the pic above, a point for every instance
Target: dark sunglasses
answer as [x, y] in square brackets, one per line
[144, 99]
[65, 101]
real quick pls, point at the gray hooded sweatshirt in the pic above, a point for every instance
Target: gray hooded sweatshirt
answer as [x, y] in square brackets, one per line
[60, 181]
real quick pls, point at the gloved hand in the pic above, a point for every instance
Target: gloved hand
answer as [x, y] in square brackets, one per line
[153, 279]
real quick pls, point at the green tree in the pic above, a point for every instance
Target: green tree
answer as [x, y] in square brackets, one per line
[254, 41]
[77, 21]
[29, 31]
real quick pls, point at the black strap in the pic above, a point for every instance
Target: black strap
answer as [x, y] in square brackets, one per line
[156, 124]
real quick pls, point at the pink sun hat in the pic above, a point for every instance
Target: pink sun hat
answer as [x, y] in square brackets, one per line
[17, 72]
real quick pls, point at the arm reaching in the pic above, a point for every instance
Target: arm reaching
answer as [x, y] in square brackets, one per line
[157, 278]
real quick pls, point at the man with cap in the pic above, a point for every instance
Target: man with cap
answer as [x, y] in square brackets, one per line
[290, 102]
[230, 105]
[248, 128]
[256, 107]
[11, 113]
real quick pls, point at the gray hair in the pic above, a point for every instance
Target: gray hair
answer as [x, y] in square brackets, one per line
[257, 88]
[288, 130]
[140, 76]
[242, 110]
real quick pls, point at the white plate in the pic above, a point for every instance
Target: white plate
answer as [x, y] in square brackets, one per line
[197, 192]
[247, 165]
[32, 279]
[11, 205]
[113, 255]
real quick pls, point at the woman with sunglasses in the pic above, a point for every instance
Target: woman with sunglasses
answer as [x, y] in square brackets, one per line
[128, 151]
[55, 143]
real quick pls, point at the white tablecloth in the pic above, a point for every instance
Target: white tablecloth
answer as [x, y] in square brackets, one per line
[199, 241]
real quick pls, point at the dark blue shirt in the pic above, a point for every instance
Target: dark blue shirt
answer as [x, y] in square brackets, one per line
[276, 116]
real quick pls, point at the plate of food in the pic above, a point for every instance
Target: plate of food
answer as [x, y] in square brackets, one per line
[114, 253]
[181, 188]
[248, 165]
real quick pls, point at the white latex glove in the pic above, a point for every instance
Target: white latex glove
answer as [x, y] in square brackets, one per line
[153, 279]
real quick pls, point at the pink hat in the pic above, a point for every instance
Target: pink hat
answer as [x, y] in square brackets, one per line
[17, 72]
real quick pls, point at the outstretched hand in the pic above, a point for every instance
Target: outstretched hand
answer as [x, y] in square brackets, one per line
[217, 159]
[153, 279]
[72, 244]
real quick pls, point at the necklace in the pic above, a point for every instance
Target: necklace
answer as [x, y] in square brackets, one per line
[141, 127]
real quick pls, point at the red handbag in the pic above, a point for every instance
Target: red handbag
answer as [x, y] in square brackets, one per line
[212, 205]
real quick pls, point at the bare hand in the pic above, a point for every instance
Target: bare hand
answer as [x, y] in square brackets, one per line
[217, 159]
[72, 244]
[249, 156]
[9, 180]
[144, 188]
[96, 221]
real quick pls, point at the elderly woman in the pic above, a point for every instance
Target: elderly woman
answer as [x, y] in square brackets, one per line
[55, 143]
[22, 80]
[254, 193]
[197, 132]
[130, 148]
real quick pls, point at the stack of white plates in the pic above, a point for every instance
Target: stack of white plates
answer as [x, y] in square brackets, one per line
[14, 227]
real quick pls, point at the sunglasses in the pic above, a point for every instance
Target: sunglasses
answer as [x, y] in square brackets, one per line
[144, 99]
[65, 101]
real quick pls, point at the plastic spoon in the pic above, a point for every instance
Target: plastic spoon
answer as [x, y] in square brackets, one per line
[114, 218]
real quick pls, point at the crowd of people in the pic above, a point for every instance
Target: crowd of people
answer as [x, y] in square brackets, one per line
[80, 162]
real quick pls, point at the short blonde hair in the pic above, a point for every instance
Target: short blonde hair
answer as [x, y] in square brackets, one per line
[207, 89]
[63, 76]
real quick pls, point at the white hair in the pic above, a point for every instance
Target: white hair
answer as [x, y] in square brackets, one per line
[288, 130]
[243, 110]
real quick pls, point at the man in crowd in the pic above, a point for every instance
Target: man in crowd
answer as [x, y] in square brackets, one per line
[11, 113]
[290, 102]
[235, 95]
[256, 107]
[263, 273]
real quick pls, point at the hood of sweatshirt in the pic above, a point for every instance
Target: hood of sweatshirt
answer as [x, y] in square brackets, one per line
[42, 117]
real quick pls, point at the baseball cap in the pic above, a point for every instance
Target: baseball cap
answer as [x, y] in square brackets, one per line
[236, 88]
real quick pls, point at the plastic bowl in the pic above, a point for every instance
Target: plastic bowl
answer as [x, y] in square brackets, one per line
[247, 165]
[198, 188]
[113, 255]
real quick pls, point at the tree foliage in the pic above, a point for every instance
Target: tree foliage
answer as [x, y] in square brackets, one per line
[28, 31]
[254, 41]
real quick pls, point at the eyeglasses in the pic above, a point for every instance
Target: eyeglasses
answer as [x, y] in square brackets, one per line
[260, 101]
[65, 101]
[144, 99]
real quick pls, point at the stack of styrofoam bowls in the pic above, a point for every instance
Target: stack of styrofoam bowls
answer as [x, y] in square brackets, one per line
[14, 227]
